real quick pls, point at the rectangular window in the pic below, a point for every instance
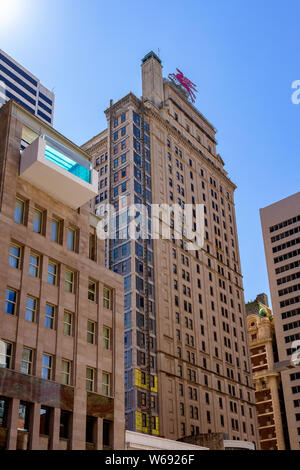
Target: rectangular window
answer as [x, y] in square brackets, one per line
[37, 221]
[4, 404]
[68, 317]
[92, 290]
[55, 230]
[6, 353]
[27, 360]
[10, 306]
[31, 309]
[105, 383]
[107, 298]
[71, 239]
[92, 246]
[47, 365]
[69, 281]
[24, 416]
[65, 372]
[90, 379]
[45, 420]
[52, 273]
[15, 256]
[91, 331]
[65, 421]
[19, 215]
[106, 337]
[50, 316]
[34, 265]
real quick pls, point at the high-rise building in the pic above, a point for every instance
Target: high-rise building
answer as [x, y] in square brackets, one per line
[19, 84]
[281, 229]
[268, 390]
[187, 363]
[61, 310]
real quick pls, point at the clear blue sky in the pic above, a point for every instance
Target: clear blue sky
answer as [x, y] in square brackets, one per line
[243, 55]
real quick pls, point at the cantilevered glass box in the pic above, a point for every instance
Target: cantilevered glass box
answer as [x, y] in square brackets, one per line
[62, 173]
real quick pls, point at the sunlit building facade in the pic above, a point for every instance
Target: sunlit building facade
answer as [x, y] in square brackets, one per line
[187, 363]
[61, 310]
[267, 380]
[281, 228]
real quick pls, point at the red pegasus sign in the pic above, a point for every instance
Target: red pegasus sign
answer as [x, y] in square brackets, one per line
[190, 87]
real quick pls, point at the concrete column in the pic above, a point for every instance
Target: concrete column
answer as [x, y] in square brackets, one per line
[54, 429]
[117, 434]
[79, 421]
[34, 429]
[99, 434]
[13, 424]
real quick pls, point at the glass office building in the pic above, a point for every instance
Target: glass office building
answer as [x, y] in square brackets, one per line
[19, 84]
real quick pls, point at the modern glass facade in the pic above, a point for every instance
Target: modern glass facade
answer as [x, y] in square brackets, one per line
[133, 259]
[19, 84]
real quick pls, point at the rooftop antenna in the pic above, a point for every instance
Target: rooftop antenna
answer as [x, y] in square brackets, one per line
[158, 52]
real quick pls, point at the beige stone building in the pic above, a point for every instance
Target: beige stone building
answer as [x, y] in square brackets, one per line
[269, 398]
[187, 363]
[61, 311]
[281, 228]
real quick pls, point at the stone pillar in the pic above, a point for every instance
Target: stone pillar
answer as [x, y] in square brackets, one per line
[99, 434]
[54, 429]
[13, 424]
[34, 428]
[79, 421]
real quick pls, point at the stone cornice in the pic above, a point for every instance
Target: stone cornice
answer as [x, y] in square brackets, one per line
[130, 98]
[98, 146]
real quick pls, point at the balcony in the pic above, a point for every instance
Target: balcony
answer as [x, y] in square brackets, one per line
[65, 175]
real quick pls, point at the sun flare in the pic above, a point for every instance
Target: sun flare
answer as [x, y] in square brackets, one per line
[9, 11]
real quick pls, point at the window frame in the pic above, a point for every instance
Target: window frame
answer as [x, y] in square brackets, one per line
[68, 374]
[58, 237]
[106, 340]
[52, 318]
[92, 333]
[108, 301]
[22, 222]
[41, 212]
[8, 356]
[30, 362]
[18, 258]
[74, 239]
[14, 303]
[92, 380]
[50, 368]
[34, 312]
[106, 386]
[67, 324]
[71, 283]
[36, 267]
[92, 292]
[51, 274]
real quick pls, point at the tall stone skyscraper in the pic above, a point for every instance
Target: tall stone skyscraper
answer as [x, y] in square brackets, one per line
[187, 367]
